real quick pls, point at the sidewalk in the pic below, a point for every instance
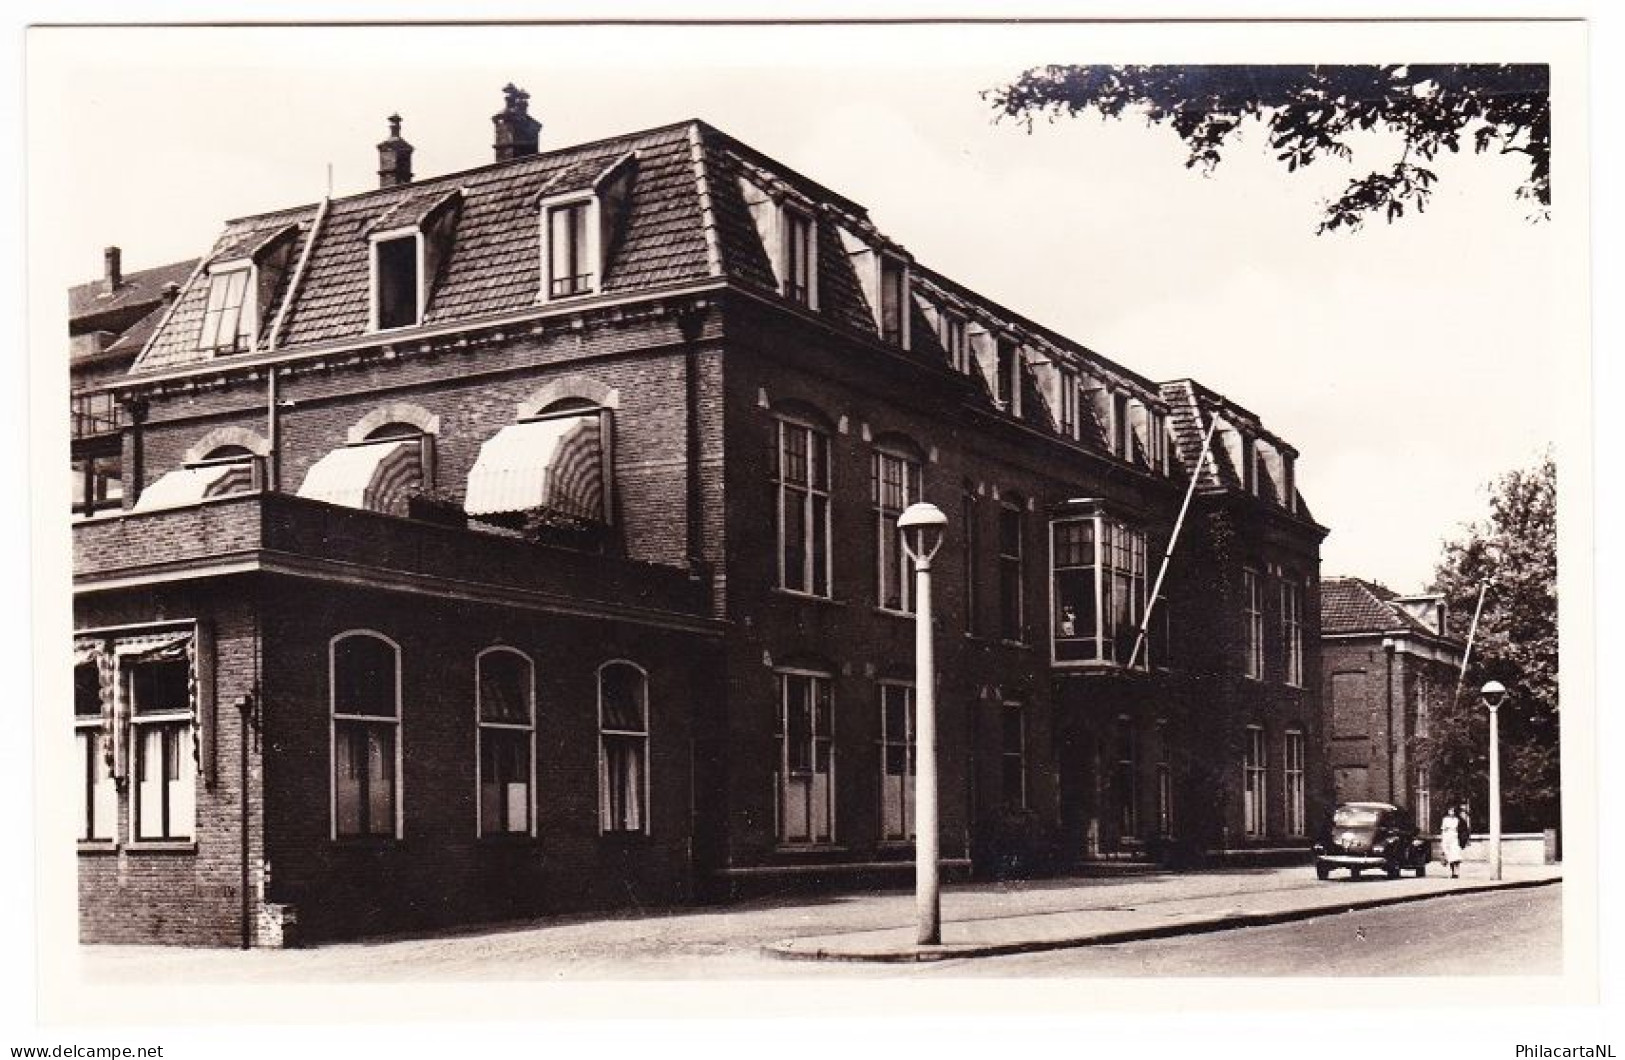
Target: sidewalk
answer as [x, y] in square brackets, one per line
[1162, 906]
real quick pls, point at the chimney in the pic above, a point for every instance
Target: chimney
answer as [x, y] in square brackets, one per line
[394, 157]
[517, 132]
[114, 274]
[169, 292]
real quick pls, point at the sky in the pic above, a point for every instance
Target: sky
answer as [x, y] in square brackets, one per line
[1409, 364]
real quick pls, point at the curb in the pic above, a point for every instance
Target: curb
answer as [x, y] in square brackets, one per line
[926, 954]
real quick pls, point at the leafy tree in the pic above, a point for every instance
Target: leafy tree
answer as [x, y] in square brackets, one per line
[1310, 112]
[1514, 555]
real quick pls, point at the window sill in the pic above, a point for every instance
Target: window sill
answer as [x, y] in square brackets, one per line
[627, 837]
[1005, 642]
[162, 846]
[891, 613]
[810, 848]
[895, 844]
[812, 598]
[98, 846]
[366, 842]
[508, 839]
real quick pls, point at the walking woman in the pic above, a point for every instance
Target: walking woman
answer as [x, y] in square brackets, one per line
[1450, 839]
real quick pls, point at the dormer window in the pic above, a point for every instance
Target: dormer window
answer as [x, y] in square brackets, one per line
[229, 314]
[1069, 402]
[571, 250]
[1008, 383]
[397, 292]
[409, 243]
[951, 332]
[893, 301]
[800, 246]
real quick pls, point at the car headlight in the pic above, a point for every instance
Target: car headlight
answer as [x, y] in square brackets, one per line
[1320, 848]
[1379, 847]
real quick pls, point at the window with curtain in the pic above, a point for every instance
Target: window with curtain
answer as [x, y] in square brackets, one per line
[165, 783]
[507, 763]
[1253, 769]
[895, 485]
[366, 709]
[623, 748]
[569, 262]
[1252, 595]
[98, 797]
[896, 762]
[1292, 632]
[802, 483]
[806, 773]
[1292, 789]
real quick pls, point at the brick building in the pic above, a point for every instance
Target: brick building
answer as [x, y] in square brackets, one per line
[109, 320]
[1389, 663]
[523, 540]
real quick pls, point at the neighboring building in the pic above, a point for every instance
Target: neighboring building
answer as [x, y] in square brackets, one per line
[524, 540]
[109, 320]
[1389, 664]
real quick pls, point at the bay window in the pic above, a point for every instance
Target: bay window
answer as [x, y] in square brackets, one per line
[1098, 589]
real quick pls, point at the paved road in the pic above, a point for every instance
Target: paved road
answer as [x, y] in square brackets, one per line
[725, 942]
[1503, 933]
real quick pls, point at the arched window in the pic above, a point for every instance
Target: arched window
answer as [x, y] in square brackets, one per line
[506, 690]
[557, 461]
[895, 484]
[801, 478]
[365, 691]
[384, 465]
[623, 748]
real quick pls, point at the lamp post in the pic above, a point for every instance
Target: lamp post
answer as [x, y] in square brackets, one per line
[1492, 694]
[921, 526]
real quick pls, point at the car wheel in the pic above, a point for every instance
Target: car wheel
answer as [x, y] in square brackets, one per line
[1354, 874]
[1322, 872]
[1421, 870]
[1393, 872]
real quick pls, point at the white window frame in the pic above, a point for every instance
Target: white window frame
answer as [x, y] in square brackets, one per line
[593, 251]
[640, 734]
[782, 774]
[954, 334]
[790, 214]
[1292, 596]
[816, 435]
[1252, 591]
[905, 780]
[1255, 783]
[528, 728]
[333, 720]
[187, 772]
[374, 243]
[1292, 782]
[1104, 567]
[883, 263]
[885, 521]
[96, 786]
[247, 309]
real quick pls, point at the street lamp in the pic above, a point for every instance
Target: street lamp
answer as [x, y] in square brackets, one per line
[1492, 694]
[922, 527]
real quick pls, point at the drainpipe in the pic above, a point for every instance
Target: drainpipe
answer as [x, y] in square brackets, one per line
[137, 409]
[273, 432]
[1388, 688]
[690, 321]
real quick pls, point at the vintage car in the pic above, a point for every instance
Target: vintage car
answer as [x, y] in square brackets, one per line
[1371, 835]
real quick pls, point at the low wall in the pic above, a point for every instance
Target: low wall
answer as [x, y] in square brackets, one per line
[1517, 848]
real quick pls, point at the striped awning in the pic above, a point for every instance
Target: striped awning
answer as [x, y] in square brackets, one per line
[188, 485]
[553, 463]
[375, 476]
